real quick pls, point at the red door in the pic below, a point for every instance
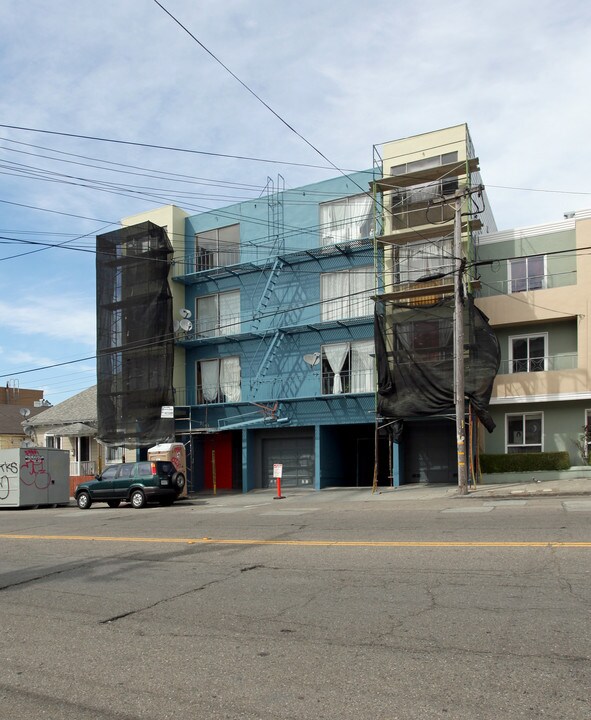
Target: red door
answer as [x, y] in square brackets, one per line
[218, 459]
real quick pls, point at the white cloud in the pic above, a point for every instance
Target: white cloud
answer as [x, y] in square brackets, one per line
[345, 75]
[59, 317]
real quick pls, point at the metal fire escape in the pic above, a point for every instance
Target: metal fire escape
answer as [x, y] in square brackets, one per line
[270, 340]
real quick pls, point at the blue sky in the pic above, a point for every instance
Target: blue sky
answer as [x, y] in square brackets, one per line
[345, 75]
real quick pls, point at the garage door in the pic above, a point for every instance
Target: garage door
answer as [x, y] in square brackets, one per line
[297, 457]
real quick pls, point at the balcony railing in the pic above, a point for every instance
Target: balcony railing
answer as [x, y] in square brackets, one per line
[82, 468]
[566, 361]
[491, 288]
[357, 381]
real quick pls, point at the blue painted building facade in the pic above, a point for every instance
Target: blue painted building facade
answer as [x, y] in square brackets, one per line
[279, 361]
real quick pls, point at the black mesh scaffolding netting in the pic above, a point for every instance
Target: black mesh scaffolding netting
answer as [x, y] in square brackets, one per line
[134, 336]
[415, 360]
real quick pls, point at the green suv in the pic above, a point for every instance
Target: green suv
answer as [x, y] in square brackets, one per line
[137, 483]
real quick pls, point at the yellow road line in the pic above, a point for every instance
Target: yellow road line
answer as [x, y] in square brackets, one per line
[307, 543]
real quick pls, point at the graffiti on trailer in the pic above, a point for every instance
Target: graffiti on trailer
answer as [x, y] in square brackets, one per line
[177, 459]
[33, 470]
[7, 470]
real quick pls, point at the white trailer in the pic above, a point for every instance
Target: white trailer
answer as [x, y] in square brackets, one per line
[32, 476]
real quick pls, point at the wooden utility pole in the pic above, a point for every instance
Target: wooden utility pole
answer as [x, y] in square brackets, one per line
[459, 294]
[459, 393]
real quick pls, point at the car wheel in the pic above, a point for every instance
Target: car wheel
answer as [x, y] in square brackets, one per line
[83, 500]
[137, 499]
[178, 481]
[113, 503]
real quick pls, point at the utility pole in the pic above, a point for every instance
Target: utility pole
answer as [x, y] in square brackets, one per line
[459, 392]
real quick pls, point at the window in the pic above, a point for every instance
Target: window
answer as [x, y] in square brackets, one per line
[348, 368]
[424, 163]
[114, 454]
[346, 219]
[53, 441]
[218, 314]
[527, 274]
[110, 472]
[217, 248]
[126, 470]
[527, 353]
[423, 259]
[218, 380]
[346, 294]
[82, 449]
[411, 206]
[524, 432]
[424, 341]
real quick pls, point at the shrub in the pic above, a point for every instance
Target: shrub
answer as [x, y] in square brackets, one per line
[524, 462]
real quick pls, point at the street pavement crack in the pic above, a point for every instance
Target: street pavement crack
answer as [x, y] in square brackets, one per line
[44, 576]
[135, 611]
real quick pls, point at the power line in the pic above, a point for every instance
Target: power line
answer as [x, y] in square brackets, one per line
[540, 190]
[171, 148]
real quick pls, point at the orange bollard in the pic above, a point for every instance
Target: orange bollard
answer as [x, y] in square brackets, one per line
[279, 496]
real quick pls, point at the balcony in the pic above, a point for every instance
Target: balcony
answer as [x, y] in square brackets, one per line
[491, 288]
[348, 381]
[549, 363]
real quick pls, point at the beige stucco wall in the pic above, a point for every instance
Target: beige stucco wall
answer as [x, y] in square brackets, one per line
[521, 309]
[174, 219]
[417, 147]
[425, 145]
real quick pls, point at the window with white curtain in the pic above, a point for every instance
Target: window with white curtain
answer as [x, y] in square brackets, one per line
[346, 294]
[346, 219]
[218, 314]
[218, 380]
[348, 367]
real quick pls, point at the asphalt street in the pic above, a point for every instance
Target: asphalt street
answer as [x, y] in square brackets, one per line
[321, 605]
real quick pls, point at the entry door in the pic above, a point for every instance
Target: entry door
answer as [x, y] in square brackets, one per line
[430, 454]
[297, 457]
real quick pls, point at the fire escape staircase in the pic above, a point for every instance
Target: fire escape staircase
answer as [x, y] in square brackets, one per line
[267, 292]
[270, 354]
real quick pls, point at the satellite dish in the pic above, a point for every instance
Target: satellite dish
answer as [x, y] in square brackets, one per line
[176, 325]
[184, 313]
[186, 325]
[28, 430]
[312, 359]
[25, 412]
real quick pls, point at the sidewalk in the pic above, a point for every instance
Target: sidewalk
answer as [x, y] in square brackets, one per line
[545, 488]
[422, 491]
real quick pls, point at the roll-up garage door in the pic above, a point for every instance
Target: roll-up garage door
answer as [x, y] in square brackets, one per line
[297, 457]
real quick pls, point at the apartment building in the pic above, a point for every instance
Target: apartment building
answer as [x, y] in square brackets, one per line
[266, 354]
[272, 335]
[537, 294]
[420, 177]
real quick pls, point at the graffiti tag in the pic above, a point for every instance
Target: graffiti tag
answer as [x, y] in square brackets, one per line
[33, 471]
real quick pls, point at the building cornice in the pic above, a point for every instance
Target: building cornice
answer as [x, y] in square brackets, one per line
[552, 397]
